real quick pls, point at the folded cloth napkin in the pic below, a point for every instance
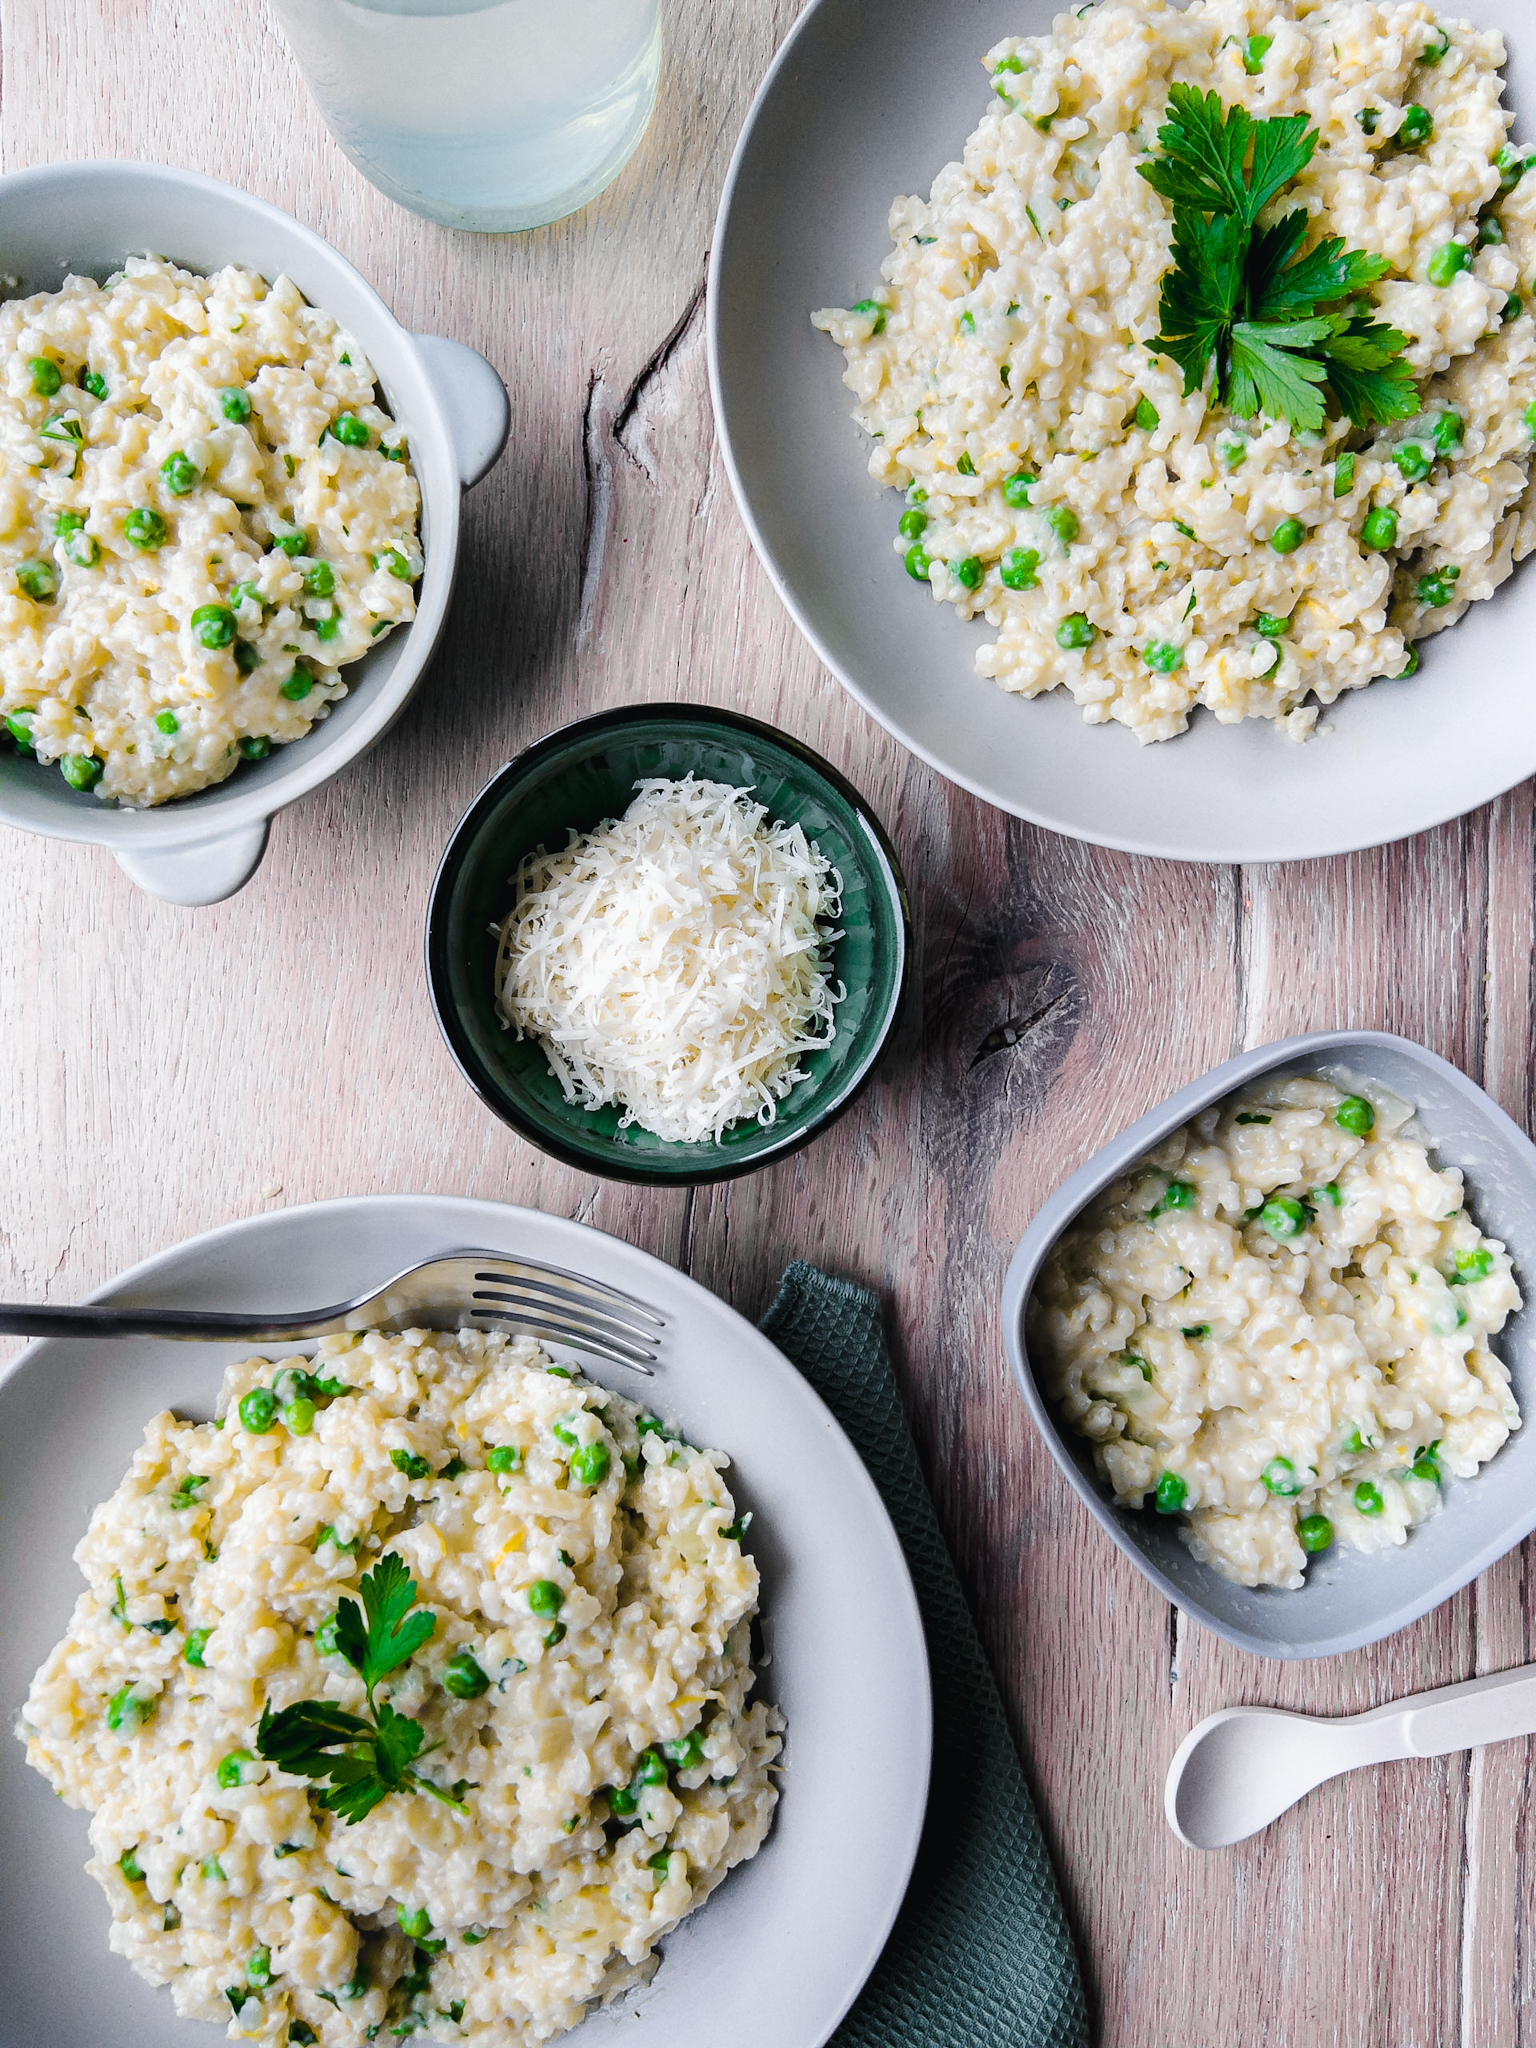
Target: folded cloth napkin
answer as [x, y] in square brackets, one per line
[980, 1955]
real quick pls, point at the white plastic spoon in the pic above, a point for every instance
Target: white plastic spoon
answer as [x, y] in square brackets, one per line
[1241, 1768]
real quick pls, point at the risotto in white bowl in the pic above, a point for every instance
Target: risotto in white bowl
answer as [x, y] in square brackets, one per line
[1133, 528]
[410, 1697]
[205, 516]
[1275, 1328]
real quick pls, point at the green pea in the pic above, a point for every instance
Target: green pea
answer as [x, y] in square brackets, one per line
[1437, 587]
[349, 430]
[1179, 1194]
[47, 377]
[1448, 262]
[1410, 666]
[408, 1462]
[19, 725]
[556, 1635]
[235, 404]
[392, 451]
[1344, 475]
[67, 522]
[197, 1642]
[167, 721]
[1433, 52]
[83, 549]
[128, 1710]
[416, 1922]
[1413, 461]
[327, 1643]
[912, 525]
[1171, 1493]
[1355, 1114]
[1380, 529]
[1287, 536]
[1416, 127]
[302, 2035]
[968, 571]
[916, 495]
[1163, 657]
[1146, 416]
[298, 685]
[1427, 1466]
[1000, 71]
[247, 657]
[255, 746]
[1076, 631]
[1330, 1193]
[1017, 569]
[292, 540]
[463, 1677]
[94, 382]
[39, 580]
[1450, 432]
[473, 1936]
[545, 1597]
[1369, 119]
[650, 1768]
[144, 529]
[1368, 1500]
[1514, 306]
[650, 1425]
[1016, 489]
[1490, 231]
[1511, 167]
[299, 1416]
[1314, 1533]
[320, 579]
[1271, 627]
[81, 771]
[213, 625]
[1282, 1217]
[1255, 50]
[504, 1458]
[1279, 1475]
[356, 1986]
[871, 309]
[238, 1768]
[589, 1465]
[1063, 522]
[1474, 1265]
[180, 474]
[918, 563]
[687, 1753]
[258, 1411]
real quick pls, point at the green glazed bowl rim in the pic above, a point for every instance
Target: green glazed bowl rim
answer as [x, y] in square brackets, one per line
[454, 865]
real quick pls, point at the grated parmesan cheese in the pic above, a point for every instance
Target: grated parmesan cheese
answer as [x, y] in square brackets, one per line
[673, 961]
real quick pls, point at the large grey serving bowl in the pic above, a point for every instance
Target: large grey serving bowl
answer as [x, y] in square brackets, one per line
[865, 102]
[1348, 1599]
[84, 218]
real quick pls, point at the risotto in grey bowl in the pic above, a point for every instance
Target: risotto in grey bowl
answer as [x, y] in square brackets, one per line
[1275, 1336]
[1111, 597]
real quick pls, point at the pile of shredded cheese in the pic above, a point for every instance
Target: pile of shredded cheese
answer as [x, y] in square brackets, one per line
[673, 961]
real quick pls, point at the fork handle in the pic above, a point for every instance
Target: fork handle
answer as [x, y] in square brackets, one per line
[27, 1319]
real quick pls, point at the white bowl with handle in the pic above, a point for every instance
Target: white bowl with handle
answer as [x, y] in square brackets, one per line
[85, 218]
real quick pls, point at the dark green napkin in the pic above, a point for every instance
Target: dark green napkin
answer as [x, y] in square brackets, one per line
[980, 1956]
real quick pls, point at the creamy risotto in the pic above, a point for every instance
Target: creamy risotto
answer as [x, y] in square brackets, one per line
[591, 1767]
[1147, 550]
[204, 516]
[1276, 1328]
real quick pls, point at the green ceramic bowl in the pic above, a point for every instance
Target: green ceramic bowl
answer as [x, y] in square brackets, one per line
[576, 778]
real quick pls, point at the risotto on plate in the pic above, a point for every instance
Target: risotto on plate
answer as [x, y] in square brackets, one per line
[410, 1697]
[1141, 527]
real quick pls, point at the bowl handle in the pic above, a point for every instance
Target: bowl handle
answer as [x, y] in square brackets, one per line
[205, 872]
[474, 398]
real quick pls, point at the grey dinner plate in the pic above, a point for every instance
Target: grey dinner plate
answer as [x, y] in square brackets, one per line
[867, 101]
[774, 1958]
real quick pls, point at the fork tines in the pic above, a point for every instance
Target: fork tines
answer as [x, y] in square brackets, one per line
[570, 1308]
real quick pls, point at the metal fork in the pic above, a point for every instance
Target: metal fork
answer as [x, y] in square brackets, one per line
[463, 1289]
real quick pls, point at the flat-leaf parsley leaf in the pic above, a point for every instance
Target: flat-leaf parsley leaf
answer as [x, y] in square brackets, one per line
[1283, 329]
[374, 1756]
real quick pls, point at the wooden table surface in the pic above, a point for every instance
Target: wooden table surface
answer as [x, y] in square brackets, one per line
[169, 1070]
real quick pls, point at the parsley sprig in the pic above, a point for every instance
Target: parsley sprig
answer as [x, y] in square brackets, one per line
[1283, 328]
[374, 1757]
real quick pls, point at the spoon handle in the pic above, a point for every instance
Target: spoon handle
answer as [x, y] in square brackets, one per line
[1492, 1709]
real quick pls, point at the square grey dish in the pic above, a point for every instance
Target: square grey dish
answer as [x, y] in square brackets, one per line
[1349, 1599]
